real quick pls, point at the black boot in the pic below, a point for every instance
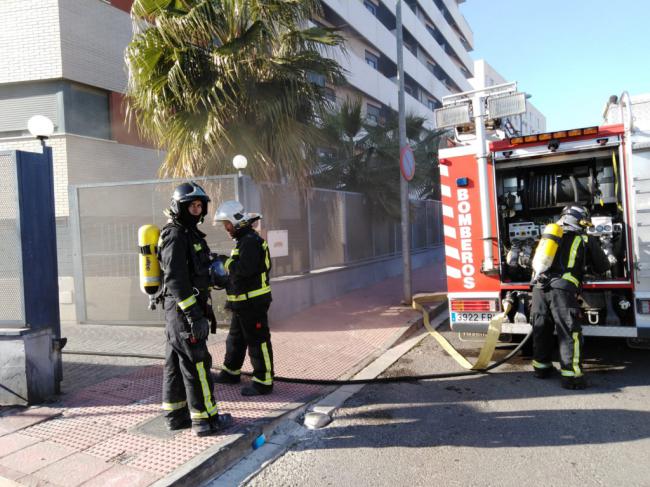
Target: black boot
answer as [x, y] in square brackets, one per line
[212, 426]
[543, 373]
[181, 422]
[574, 382]
[224, 377]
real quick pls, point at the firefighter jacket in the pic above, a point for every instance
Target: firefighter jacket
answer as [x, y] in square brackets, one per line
[248, 266]
[575, 251]
[185, 260]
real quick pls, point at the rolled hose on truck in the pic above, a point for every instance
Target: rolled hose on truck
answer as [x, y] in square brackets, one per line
[419, 300]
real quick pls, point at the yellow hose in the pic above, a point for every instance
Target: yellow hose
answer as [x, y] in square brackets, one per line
[616, 180]
[494, 330]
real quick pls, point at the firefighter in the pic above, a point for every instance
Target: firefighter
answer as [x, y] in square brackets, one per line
[555, 300]
[188, 398]
[248, 297]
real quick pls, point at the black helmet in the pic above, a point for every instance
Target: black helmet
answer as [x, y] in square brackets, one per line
[576, 217]
[186, 193]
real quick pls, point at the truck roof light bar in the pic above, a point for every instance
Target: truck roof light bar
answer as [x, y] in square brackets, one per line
[561, 134]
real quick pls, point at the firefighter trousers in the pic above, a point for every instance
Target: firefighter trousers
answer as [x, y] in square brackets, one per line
[187, 382]
[557, 309]
[249, 328]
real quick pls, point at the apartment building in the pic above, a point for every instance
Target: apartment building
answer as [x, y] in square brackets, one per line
[530, 122]
[437, 42]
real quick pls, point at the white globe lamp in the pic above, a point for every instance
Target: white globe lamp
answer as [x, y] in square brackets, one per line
[240, 162]
[40, 127]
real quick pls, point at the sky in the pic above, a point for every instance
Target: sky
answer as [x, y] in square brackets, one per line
[570, 55]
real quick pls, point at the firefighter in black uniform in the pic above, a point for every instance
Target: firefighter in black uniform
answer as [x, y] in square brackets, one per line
[188, 398]
[248, 295]
[555, 299]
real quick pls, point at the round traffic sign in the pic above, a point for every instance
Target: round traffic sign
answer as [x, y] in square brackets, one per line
[407, 162]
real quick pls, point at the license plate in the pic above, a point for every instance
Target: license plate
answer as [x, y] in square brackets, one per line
[468, 317]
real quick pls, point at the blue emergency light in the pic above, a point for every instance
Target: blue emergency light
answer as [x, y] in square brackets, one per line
[462, 182]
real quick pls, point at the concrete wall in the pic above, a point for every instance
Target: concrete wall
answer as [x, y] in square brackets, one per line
[93, 38]
[294, 294]
[29, 36]
[28, 367]
[101, 161]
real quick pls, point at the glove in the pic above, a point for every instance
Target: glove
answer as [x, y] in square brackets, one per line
[200, 328]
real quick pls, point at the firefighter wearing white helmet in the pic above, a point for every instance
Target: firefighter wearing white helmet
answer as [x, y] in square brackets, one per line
[554, 304]
[248, 297]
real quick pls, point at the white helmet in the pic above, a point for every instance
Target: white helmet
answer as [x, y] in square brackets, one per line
[233, 211]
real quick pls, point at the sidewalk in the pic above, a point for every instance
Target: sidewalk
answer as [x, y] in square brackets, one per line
[106, 428]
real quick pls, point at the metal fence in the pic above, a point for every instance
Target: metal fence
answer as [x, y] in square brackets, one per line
[11, 267]
[307, 230]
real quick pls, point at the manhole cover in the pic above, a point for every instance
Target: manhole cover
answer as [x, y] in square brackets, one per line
[156, 427]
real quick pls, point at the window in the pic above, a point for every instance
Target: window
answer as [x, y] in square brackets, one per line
[372, 60]
[326, 155]
[413, 5]
[86, 111]
[431, 67]
[316, 78]
[372, 113]
[433, 104]
[410, 90]
[412, 47]
[372, 8]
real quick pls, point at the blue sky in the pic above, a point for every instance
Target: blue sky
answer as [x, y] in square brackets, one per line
[570, 55]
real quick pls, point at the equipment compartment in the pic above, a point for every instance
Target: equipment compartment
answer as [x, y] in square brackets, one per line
[530, 195]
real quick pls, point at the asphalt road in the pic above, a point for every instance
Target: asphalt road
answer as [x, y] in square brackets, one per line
[502, 429]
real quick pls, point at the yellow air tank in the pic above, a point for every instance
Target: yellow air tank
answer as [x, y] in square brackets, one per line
[547, 248]
[149, 267]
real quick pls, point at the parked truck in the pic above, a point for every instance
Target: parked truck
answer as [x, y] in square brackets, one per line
[492, 224]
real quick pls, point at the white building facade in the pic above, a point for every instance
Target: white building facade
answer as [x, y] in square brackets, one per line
[65, 59]
[437, 43]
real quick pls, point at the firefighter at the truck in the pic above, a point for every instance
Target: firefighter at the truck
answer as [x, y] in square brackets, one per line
[555, 302]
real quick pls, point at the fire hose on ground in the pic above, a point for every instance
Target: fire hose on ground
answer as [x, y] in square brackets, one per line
[480, 366]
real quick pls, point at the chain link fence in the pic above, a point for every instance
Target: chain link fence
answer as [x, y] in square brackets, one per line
[307, 230]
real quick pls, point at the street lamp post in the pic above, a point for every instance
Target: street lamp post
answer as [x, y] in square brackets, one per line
[240, 162]
[404, 185]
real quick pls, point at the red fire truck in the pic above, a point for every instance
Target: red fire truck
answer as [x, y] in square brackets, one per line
[494, 215]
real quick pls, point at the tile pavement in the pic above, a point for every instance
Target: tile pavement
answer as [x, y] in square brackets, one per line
[90, 436]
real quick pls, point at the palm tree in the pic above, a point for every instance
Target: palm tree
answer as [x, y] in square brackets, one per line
[212, 78]
[364, 157]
